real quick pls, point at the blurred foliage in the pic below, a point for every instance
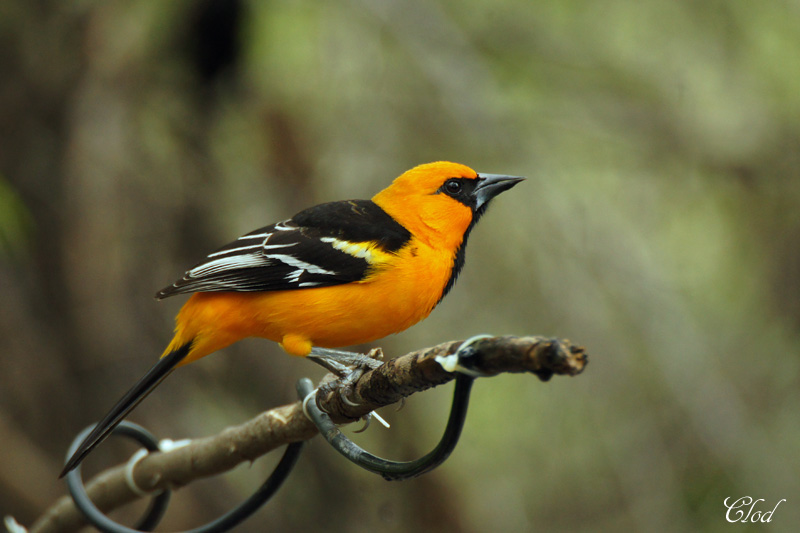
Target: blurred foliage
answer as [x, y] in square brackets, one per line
[659, 227]
[14, 221]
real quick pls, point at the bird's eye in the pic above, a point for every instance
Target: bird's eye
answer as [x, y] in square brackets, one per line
[452, 186]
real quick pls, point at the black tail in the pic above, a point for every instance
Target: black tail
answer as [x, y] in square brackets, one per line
[157, 373]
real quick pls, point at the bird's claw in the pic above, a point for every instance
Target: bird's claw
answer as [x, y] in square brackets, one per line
[345, 386]
[344, 363]
[349, 367]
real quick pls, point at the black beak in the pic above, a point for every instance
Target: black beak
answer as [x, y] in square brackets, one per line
[490, 185]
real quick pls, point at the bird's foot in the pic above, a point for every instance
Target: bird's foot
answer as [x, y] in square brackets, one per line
[349, 366]
[343, 364]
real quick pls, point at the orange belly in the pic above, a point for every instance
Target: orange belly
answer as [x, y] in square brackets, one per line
[387, 302]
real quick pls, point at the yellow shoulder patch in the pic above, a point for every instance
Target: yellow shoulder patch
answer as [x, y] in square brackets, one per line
[368, 251]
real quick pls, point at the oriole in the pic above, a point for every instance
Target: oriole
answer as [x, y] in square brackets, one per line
[337, 274]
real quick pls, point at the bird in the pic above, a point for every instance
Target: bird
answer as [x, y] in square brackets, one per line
[334, 275]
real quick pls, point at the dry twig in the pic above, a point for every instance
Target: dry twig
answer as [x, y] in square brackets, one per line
[396, 379]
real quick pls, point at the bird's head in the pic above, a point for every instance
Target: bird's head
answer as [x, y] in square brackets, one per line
[443, 197]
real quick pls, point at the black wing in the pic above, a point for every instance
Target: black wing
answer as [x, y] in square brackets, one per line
[318, 247]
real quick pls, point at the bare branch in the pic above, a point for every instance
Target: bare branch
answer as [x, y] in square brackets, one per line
[398, 378]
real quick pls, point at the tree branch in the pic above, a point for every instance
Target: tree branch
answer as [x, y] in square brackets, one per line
[396, 379]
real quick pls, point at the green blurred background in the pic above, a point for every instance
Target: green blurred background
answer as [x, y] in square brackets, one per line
[659, 227]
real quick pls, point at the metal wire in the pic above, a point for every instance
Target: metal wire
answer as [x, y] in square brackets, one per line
[224, 523]
[160, 501]
[394, 470]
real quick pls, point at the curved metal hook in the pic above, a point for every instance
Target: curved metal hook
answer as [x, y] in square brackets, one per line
[393, 470]
[78, 492]
[224, 523]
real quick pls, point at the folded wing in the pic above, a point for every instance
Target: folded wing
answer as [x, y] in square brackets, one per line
[330, 244]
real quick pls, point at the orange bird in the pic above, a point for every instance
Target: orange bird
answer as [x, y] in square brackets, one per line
[336, 274]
